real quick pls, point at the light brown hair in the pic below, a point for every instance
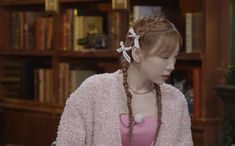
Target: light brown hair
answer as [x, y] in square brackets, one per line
[158, 36]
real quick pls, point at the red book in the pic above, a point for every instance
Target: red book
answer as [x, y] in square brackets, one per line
[196, 72]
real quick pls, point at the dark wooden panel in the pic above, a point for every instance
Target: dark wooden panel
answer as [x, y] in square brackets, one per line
[27, 128]
[198, 138]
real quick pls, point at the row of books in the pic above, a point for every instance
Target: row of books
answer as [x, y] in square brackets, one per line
[75, 27]
[10, 79]
[30, 30]
[188, 81]
[17, 78]
[69, 81]
[35, 30]
[32, 80]
[70, 78]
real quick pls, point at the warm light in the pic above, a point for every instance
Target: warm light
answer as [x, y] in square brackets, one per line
[52, 6]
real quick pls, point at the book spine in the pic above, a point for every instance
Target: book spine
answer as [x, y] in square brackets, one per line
[197, 91]
[188, 32]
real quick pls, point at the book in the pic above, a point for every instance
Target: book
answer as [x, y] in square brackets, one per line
[40, 39]
[118, 23]
[29, 31]
[63, 82]
[49, 32]
[48, 88]
[67, 30]
[196, 77]
[11, 77]
[40, 86]
[194, 32]
[78, 33]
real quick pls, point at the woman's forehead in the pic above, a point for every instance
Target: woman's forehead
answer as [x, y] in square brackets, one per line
[165, 49]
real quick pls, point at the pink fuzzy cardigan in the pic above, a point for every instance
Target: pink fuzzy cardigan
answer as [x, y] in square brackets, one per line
[91, 115]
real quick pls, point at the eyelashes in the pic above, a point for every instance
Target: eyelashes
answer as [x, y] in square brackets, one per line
[167, 56]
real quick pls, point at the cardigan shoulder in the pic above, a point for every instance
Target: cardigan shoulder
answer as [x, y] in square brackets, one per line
[173, 94]
[92, 86]
[98, 80]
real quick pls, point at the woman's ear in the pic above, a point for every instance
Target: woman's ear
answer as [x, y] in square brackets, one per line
[137, 54]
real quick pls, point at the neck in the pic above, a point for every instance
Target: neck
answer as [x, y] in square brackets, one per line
[136, 79]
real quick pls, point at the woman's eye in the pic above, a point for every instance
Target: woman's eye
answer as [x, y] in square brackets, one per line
[166, 57]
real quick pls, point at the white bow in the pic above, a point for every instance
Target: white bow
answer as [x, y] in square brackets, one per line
[123, 49]
[135, 36]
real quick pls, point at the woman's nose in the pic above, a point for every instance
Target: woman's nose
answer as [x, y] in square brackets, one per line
[171, 65]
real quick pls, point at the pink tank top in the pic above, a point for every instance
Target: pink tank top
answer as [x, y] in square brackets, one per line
[143, 133]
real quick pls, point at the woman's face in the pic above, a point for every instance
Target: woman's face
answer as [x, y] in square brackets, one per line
[158, 69]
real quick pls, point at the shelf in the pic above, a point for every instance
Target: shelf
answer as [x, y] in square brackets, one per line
[108, 54]
[26, 53]
[226, 92]
[190, 56]
[199, 121]
[30, 2]
[202, 124]
[227, 95]
[30, 106]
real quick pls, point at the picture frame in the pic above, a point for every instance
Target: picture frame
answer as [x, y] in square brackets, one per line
[120, 4]
[52, 6]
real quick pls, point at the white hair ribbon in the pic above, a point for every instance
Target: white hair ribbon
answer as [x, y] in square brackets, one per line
[135, 36]
[123, 49]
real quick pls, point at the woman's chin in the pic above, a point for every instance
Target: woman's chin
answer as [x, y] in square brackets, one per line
[159, 82]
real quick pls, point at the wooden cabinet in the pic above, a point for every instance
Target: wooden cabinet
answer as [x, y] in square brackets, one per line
[28, 123]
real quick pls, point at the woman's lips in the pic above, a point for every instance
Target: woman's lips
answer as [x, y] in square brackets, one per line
[165, 76]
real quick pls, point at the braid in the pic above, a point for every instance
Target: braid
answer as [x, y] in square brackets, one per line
[125, 66]
[129, 97]
[159, 110]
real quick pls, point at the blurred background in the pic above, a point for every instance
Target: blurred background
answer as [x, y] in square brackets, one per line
[49, 47]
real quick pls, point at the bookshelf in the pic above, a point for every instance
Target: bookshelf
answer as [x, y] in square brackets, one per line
[25, 115]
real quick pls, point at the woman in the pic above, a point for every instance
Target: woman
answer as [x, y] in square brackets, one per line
[132, 106]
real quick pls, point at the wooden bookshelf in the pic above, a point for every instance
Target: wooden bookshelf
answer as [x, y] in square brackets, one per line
[32, 106]
[90, 54]
[30, 2]
[190, 56]
[80, 54]
[213, 54]
[26, 53]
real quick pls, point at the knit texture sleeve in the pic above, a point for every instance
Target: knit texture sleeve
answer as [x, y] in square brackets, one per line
[184, 137]
[72, 127]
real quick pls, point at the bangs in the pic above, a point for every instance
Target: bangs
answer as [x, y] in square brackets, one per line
[168, 43]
